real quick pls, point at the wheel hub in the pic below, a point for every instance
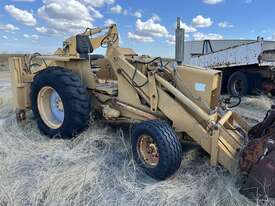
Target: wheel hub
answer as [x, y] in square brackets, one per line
[148, 151]
[59, 104]
[238, 86]
[51, 108]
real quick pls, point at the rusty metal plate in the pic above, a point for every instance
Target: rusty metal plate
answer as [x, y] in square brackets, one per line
[261, 179]
[252, 153]
[257, 160]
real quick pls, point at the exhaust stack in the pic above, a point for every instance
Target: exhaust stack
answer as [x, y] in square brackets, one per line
[179, 53]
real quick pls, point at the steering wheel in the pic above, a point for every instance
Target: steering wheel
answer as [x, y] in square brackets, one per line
[111, 38]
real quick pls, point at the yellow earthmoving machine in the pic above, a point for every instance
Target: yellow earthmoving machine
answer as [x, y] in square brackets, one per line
[164, 104]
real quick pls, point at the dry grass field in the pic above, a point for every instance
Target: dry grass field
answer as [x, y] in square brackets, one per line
[96, 168]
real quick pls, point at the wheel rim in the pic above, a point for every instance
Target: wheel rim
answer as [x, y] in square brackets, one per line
[238, 86]
[51, 108]
[148, 151]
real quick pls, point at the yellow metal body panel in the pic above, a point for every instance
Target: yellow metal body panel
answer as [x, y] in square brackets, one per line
[200, 85]
[187, 96]
[20, 84]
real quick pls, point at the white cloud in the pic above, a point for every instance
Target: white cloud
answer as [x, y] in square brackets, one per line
[108, 22]
[273, 37]
[66, 16]
[96, 13]
[8, 27]
[98, 3]
[200, 21]
[155, 17]
[42, 29]
[117, 9]
[212, 2]
[64, 9]
[225, 24]
[140, 38]
[22, 16]
[171, 39]
[211, 36]
[66, 26]
[151, 28]
[33, 37]
[5, 37]
[148, 30]
[188, 29]
[137, 14]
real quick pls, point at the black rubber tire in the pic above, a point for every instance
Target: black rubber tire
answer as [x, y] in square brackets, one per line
[242, 78]
[75, 98]
[170, 151]
[225, 78]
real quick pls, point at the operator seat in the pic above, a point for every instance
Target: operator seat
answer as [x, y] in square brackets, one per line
[85, 48]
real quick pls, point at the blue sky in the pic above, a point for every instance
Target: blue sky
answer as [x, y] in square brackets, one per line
[145, 25]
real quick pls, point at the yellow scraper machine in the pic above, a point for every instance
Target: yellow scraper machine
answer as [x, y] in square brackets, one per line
[163, 102]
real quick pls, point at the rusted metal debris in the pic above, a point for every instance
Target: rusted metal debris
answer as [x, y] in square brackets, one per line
[261, 179]
[267, 126]
[252, 154]
[257, 159]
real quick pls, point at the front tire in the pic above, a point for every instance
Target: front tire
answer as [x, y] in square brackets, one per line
[156, 148]
[60, 103]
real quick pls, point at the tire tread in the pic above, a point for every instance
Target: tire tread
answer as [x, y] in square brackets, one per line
[75, 97]
[167, 140]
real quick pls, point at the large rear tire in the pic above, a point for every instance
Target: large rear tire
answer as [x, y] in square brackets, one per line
[156, 148]
[237, 84]
[60, 103]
